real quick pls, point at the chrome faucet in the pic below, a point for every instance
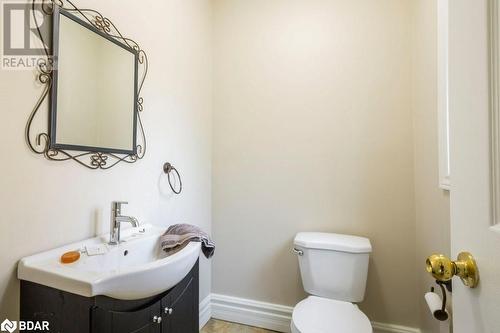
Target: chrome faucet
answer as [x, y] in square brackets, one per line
[117, 219]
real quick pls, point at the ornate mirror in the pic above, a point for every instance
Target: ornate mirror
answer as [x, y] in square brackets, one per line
[92, 76]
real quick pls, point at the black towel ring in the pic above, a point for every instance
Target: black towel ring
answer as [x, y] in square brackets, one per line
[168, 169]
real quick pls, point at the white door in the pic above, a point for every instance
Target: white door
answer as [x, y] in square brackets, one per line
[473, 227]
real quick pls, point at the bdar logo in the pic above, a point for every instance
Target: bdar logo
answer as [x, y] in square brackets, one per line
[8, 326]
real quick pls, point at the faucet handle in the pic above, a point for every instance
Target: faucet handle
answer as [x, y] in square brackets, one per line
[117, 205]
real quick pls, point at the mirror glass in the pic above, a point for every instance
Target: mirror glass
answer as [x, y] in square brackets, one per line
[94, 92]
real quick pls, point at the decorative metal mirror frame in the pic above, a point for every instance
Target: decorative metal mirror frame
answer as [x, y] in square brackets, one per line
[42, 143]
[58, 12]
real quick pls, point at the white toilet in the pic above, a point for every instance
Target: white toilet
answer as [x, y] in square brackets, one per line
[334, 269]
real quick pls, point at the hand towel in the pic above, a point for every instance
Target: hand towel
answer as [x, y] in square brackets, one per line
[178, 236]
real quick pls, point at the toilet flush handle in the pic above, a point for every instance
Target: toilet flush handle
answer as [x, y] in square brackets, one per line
[298, 252]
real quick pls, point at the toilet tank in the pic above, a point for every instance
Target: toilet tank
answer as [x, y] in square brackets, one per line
[333, 265]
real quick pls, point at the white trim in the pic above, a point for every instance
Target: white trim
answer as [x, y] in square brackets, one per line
[389, 328]
[494, 113]
[254, 313]
[271, 316]
[205, 311]
[443, 95]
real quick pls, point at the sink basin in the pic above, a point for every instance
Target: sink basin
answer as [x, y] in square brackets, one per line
[136, 268]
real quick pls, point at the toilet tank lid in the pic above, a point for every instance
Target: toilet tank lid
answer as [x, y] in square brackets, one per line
[335, 242]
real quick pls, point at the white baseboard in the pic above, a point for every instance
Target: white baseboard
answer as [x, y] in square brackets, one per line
[205, 311]
[390, 328]
[259, 314]
[266, 315]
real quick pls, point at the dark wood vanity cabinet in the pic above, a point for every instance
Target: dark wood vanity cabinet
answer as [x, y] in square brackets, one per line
[174, 311]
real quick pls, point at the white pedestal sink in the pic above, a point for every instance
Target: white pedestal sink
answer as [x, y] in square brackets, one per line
[136, 268]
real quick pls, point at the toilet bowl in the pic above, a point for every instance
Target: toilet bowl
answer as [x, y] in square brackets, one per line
[322, 315]
[334, 270]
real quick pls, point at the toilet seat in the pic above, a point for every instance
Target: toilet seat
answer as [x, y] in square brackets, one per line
[323, 315]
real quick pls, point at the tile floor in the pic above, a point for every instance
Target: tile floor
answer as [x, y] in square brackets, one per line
[219, 326]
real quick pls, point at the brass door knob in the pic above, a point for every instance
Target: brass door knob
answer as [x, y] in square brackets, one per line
[443, 269]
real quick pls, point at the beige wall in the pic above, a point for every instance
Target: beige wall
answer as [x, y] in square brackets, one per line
[431, 203]
[45, 204]
[313, 131]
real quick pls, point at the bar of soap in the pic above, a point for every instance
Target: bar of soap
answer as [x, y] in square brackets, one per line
[70, 257]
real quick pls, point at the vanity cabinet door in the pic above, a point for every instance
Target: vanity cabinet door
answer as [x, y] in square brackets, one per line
[180, 308]
[141, 321]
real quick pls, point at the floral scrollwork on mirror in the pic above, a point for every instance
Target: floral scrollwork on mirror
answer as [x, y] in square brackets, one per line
[92, 78]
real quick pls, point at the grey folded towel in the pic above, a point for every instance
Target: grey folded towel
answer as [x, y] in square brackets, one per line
[178, 236]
